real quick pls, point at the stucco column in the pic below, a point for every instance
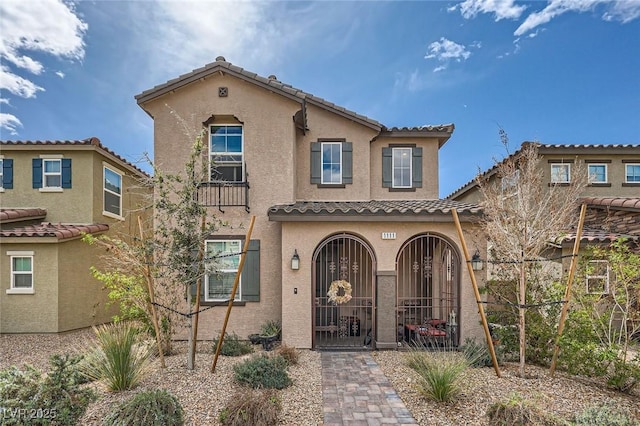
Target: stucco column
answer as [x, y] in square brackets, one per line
[386, 310]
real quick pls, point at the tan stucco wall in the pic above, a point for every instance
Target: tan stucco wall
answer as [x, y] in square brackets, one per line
[306, 237]
[30, 313]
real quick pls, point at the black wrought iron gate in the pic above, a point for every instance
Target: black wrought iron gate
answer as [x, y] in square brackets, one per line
[342, 323]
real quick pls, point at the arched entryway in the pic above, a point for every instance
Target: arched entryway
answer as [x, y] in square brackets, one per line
[351, 324]
[428, 291]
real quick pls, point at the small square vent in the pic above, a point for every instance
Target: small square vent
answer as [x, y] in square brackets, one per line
[223, 92]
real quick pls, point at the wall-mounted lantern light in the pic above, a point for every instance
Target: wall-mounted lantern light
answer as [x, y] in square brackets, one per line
[295, 261]
[476, 262]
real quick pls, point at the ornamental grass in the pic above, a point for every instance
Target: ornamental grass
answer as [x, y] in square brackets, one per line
[440, 372]
[118, 356]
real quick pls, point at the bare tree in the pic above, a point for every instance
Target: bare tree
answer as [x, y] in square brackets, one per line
[522, 216]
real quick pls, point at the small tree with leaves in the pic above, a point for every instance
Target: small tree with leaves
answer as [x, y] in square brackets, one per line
[522, 216]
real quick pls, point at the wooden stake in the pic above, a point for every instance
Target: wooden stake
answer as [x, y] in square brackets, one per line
[485, 325]
[567, 294]
[198, 288]
[243, 256]
[149, 279]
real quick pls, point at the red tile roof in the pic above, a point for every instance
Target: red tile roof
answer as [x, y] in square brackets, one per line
[16, 215]
[58, 230]
[92, 141]
[623, 203]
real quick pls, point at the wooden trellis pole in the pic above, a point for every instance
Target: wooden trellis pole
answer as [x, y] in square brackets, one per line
[154, 315]
[567, 294]
[485, 325]
[243, 256]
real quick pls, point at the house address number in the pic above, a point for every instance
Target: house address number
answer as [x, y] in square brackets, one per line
[388, 235]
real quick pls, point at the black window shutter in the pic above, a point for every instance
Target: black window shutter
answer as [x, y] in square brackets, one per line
[7, 174]
[347, 162]
[251, 273]
[316, 162]
[387, 172]
[416, 157]
[37, 173]
[66, 172]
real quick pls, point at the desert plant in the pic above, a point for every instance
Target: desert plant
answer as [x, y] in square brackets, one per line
[232, 345]
[605, 414]
[478, 354]
[517, 411]
[262, 371]
[55, 398]
[440, 372]
[289, 353]
[271, 328]
[149, 408]
[118, 356]
[257, 407]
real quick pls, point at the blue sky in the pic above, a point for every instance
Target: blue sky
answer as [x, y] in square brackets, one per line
[559, 71]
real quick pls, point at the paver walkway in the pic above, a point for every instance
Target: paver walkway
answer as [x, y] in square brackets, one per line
[356, 392]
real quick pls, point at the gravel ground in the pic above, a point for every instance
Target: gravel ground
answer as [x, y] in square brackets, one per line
[203, 394]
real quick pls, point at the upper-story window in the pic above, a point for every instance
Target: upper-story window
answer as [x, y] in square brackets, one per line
[632, 173]
[561, 173]
[227, 154]
[402, 167]
[51, 173]
[112, 189]
[331, 163]
[6, 173]
[597, 173]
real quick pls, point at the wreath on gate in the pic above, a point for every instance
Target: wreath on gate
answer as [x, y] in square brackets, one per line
[335, 288]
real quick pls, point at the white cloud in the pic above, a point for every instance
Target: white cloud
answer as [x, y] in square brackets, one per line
[623, 11]
[59, 74]
[10, 123]
[502, 9]
[17, 85]
[445, 50]
[43, 26]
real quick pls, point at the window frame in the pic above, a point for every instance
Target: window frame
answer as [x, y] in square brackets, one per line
[393, 167]
[21, 255]
[46, 174]
[106, 212]
[322, 162]
[606, 173]
[594, 277]
[213, 155]
[626, 173]
[566, 166]
[238, 296]
[1, 173]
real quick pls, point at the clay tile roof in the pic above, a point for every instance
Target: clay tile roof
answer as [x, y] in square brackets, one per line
[93, 141]
[57, 230]
[371, 209]
[598, 236]
[622, 203]
[16, 215]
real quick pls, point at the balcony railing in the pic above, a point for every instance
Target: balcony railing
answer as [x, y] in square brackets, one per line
[224, 194]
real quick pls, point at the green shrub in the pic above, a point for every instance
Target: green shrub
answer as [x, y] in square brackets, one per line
[624, 376]
[517, 411]
[256, 407]
[606, 414]
[118, 356]
[478, 353]
[55, 398]
[289, 353]
[232, 345]
[262, 371]
[440, 372]
[271, 328]
[149, 408]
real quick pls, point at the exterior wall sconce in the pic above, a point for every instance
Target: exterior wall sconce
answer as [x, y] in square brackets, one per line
[295, 261]
[476, 263]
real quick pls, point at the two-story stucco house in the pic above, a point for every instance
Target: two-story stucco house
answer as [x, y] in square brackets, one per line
[52, 193]
[337, 196]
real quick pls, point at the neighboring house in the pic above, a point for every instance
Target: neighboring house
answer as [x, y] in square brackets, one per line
[613, 206]
[336, 195]
[52, 193]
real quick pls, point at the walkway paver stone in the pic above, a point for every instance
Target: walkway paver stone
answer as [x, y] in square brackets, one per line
[356, 392]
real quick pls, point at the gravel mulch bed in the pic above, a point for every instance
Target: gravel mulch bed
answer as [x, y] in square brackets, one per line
[203, 394]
